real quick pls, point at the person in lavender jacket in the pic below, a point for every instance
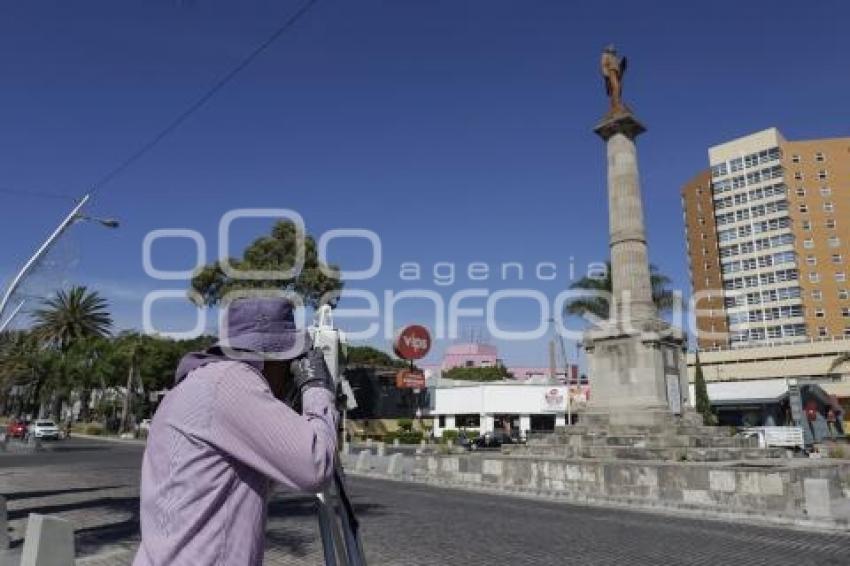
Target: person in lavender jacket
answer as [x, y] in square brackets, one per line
[222, 434]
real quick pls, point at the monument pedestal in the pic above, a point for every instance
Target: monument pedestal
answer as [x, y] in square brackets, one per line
[638, 376]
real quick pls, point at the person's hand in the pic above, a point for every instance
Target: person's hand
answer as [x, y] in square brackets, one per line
[311, 371]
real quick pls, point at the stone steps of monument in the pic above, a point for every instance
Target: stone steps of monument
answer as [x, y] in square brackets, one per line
[664, 441]
[692, 454]
[703, 437]
[657, 453]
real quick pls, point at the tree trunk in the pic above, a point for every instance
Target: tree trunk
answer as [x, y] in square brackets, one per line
[85, 400]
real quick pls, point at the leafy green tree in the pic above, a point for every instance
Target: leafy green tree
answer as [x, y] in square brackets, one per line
[494, 373]
[367, 355]
[28, 366]
[600, 306]
[276, 251]
[703, 403]
[72, 315]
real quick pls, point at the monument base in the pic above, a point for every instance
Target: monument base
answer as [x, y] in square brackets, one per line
[638, 374]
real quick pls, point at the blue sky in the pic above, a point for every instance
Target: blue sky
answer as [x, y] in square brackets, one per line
[458, 131]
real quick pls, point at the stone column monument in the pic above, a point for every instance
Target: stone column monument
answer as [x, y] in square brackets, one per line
[636, 360]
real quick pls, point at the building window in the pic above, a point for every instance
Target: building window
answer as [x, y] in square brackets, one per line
[834, 242]
[807, 224]
[820, 313]
[801, 192]
[808, 243]
[830, 223]
[795, 158]
[841, 277]
[847, 331]
[814, 277]
[467, 421]
[844, 294]
[828, 207]
[822, 332]
[836, 258]
[845, 312]
[798, 176]
[701, 220]
[817, 295]
[819, 157]
[442, 421]
[825, 191]
[811, 260]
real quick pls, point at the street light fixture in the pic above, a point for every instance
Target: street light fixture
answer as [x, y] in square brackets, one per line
[107, 222]
[71, 218]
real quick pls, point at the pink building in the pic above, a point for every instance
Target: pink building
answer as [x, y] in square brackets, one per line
[486, 355]
[470, 355]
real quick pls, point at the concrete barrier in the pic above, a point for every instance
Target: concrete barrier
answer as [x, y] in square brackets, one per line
[49, 542]
[817, 498]
[4, 524]
[362, 464]
[394, 467]
[382, 449]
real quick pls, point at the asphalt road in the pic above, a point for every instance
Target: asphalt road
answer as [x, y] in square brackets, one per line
[94, 483]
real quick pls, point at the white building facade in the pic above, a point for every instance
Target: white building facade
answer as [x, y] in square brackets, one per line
[509, 406]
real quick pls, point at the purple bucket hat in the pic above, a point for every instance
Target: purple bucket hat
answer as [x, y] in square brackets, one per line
[261, 325]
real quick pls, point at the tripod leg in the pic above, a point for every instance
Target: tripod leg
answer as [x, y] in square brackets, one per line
[350, 525]
[326, 531]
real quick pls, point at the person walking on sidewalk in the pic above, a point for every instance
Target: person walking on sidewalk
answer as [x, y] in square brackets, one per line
[223, 433]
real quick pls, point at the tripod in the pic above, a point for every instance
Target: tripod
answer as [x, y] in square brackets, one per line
[338, 526]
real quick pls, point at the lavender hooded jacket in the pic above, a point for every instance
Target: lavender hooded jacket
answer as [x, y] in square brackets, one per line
[216, 441]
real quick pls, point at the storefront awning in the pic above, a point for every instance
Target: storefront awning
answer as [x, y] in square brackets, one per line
[840, 389]
[756, 391]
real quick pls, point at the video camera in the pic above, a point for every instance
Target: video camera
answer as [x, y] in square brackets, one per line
[331, 341]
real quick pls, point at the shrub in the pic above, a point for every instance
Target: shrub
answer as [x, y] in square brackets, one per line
[404, 436]
[411, 437]
[836, 451]
[449, 434]
[405, 425]
[94, 429]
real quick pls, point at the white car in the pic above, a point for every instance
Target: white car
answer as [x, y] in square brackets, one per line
[44, 429]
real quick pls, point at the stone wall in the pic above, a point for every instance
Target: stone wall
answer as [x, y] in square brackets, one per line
[797, 491]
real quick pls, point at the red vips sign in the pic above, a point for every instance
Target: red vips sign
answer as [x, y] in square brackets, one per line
[412, 342]
[409, 379]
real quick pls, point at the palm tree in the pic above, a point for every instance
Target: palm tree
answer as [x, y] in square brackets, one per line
[600, 306]
[72, 315]
[68, 318]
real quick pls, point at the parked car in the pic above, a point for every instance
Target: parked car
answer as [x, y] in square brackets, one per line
[463, 439]
[16, 428]
[492, 440]
[44, 429]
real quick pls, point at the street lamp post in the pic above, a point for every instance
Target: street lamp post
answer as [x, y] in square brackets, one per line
[72, 217]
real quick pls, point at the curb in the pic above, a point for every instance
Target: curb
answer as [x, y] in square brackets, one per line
[130, 441]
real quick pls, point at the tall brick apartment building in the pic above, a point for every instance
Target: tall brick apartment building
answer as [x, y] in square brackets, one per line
[768, 236]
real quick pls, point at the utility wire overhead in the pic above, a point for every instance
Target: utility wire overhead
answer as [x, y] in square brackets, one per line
[34, 193]
[200, 102]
